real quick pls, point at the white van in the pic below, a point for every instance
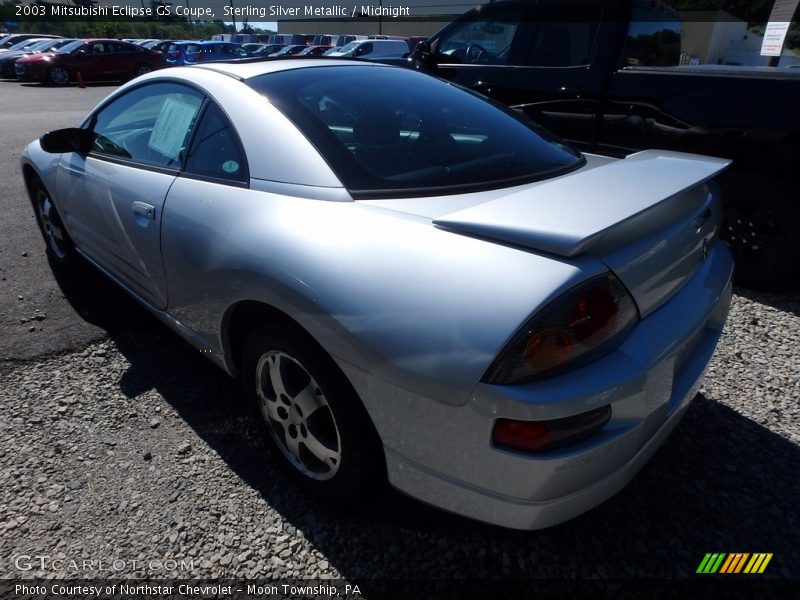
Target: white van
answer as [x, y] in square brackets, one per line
[372, 49]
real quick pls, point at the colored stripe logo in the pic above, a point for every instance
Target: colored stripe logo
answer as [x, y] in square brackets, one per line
[736, 562]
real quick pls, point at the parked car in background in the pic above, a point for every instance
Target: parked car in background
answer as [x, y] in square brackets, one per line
[89, 60]
[291, 38]
[252, 47]
[159, 45]
[372, 49]
[211, 51]
[176, 53]
[289, 50]
[10, 56]
[267, 49]
[15, 38]
[9, 59]
[419, 285]
[326, 40]
[605, 76]
[312, 51]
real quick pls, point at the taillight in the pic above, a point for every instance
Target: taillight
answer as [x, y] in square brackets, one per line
[538, 436]
[584, 323]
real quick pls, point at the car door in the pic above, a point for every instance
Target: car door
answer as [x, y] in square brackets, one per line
[115, 194]
[554, 78]
[125, 57]
[478, 52]
[80, 62]
[209, 196]
[103, 64]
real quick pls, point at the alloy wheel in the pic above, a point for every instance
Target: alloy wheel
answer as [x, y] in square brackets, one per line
[298, 415]
[59, 76]
[51, 225]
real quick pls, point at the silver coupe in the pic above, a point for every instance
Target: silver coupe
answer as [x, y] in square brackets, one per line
[413, 283]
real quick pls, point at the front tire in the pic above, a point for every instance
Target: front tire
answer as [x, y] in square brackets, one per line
[60, 249]
[311, 415]
[59, 76]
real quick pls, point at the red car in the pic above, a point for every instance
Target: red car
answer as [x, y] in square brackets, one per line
[89, 60]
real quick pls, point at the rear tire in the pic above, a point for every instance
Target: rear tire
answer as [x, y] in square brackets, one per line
[60, 249]
[59, 76]
[311, 416]
[759, 221]
[143, 69]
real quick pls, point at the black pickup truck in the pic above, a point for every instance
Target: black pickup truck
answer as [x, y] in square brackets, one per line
[605, 76]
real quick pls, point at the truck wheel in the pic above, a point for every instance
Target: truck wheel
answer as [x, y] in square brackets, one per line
[310, 414]
[759, 222]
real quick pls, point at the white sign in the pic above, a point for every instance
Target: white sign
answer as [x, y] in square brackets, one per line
[779, 21]
[171, 127]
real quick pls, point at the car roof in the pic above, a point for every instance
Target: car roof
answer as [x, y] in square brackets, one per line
[245, 69]
[87, 40]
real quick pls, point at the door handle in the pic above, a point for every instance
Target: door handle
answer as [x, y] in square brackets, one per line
[146, 210]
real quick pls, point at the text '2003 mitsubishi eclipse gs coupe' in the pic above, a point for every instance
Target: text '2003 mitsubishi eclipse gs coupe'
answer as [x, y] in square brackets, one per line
[414, 284]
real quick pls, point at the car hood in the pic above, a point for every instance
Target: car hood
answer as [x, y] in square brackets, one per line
[36, 57]
[12, 54]
[650, 217]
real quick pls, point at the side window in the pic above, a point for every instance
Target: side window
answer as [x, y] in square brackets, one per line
[484, 40]
[150, 124]
[654, 39]
[363, 49]
[215, 150]
[554, 43]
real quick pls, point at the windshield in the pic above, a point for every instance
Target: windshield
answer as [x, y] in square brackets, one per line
[66, 49]
[40, 45]
[349, 47]
[413, 134]
[24, 44]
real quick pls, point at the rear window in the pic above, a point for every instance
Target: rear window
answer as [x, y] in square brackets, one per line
[412, 134]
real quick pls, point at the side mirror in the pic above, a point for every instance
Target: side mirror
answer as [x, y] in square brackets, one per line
[72, 139]
[423, 55]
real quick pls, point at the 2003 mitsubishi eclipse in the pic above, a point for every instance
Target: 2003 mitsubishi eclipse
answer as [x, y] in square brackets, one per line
[411, 281]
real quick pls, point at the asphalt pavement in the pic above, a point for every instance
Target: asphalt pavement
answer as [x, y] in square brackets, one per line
[35, 316]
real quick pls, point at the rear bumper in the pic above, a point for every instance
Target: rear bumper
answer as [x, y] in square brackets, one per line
[648, 382]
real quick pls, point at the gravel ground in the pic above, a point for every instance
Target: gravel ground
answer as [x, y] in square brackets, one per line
[136, 449]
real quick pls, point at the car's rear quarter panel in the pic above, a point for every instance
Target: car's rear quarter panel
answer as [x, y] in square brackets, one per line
[419, 307]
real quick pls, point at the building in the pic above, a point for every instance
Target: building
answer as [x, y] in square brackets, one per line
[719, 38]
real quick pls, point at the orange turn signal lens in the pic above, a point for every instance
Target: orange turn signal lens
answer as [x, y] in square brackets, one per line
[548, 349]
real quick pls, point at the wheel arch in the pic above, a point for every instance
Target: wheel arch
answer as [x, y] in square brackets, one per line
[29, 174]
[241, 318]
